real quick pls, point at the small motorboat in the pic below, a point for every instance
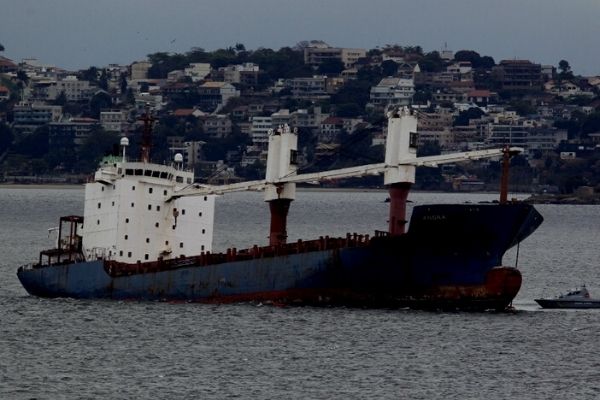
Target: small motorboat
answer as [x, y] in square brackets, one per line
[576, 298]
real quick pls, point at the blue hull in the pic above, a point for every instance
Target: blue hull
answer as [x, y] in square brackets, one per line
[450, 258]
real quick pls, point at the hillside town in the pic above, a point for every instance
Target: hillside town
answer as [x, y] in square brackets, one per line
[217, 108]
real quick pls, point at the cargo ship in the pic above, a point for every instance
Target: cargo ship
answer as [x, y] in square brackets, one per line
[147, 229]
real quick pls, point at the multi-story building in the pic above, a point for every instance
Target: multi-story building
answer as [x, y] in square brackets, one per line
[314, 88]
[113, 120]
[73, 88]
[139, 70]
[519, 76]
[70, 134]
[197, 71]
[28, 117]
[392, 91]
[526, 135]
[217, 125]
[318, 52]
[214, 95]
[245, 74]
[260, 131]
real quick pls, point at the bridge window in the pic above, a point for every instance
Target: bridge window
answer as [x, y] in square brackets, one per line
[129, 171]
[179, 179]
[139, 172]
[147, 172]
[164, 175]
[189, 180]
[155, 174]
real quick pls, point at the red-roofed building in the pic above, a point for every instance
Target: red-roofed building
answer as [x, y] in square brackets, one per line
[7, 65]
[4, 93]
[481, 97]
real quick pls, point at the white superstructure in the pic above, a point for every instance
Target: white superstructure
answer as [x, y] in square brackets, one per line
[127, 217]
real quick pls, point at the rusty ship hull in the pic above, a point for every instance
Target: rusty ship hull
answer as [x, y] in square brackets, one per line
[450, 258]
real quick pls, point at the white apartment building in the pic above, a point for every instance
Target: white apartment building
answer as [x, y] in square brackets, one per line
[260, 131]
[112, 120]
[392, 91]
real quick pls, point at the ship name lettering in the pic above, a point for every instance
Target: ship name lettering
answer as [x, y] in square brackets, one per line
[434, 217]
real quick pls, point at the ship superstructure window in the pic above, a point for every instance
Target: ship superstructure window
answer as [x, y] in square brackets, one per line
[181, 244]
[149, 206]
[157, 208]
[189, 180]
[139, 172]
[166, 242]
[164, 192]
[147, 240]
[98, 222]
[200, 214]
[150, 190]
[156, 224]
[126, 220]
[202, 247]
[155, 174]
[99, 205]
[147, 172]
[129, 254]
[121, 253]
[205, 198]
[113, 203]
[126, 237]
[129, 171]
[132, 204]
[145, 256]
[203, 231]
[102, 188]
[179, 179]
[133, 188]
[183, 211]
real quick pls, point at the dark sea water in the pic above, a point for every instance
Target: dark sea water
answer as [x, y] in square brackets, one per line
[73, 349]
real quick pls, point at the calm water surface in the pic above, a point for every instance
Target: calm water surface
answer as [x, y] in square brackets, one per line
[72, 349]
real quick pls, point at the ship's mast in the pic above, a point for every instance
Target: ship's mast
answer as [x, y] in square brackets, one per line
[146, 136]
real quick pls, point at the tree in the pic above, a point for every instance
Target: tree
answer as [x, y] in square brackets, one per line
[565, 70]
[464, 117]
[389, 68]
[6, 137]
[331, 66]
[34, 145]
[99, 101]
[97, 145]
[431, 62]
